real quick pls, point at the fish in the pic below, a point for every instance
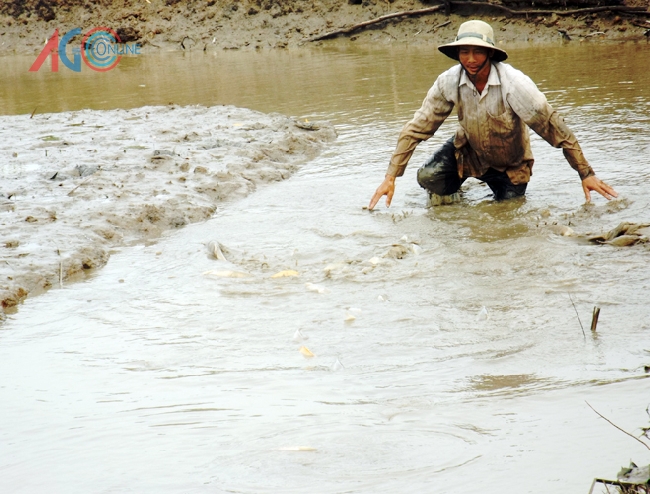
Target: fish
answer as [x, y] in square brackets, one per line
[214, 248]
[337, 366]
[335, 268]
[227, 273]
[286, 273]
[312, 287]
[298, 336]
[562, 230]
[624, 240]
[397, 251]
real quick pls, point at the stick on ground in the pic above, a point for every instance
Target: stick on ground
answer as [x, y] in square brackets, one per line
[347, 30]
[594, 319]
[612, 423]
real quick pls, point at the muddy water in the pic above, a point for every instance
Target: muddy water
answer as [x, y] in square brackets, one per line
[461, 367]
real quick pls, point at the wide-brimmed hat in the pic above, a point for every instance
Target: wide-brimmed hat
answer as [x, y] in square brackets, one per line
[475, 33]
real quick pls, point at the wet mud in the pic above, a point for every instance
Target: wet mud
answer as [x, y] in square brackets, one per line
[219, 25]
[77, 184]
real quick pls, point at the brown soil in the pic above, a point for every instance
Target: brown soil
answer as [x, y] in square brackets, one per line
[266, 24]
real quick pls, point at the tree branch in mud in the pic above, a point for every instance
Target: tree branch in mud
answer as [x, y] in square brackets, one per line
[347, 30]
[449, 4]
[588, 10]
[612, 423]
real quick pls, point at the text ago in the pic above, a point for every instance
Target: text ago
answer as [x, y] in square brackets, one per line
[101, 50]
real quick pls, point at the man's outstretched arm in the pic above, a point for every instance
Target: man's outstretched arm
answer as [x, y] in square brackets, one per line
[424, 124]
[531, 105]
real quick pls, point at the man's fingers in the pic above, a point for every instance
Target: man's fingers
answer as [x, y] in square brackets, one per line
[375, 200]
[585, 189]
[609, 190]
[387, 188]
[597, 185]
[605, 190]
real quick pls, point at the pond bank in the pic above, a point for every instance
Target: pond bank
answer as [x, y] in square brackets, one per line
[219, 25]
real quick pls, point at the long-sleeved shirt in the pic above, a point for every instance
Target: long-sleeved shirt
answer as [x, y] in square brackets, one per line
[492, 129]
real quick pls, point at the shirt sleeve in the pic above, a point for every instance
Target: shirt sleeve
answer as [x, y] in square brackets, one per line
[426, 121]
[530, 104]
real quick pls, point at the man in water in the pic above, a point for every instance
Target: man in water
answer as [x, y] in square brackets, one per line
[495, 103]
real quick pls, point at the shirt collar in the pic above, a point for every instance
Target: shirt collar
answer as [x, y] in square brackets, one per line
[493, 78]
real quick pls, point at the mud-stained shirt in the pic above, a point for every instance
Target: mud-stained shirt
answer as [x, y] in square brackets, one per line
[493, 125]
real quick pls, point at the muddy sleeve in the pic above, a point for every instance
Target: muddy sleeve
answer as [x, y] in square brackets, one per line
[435, 108]
[531, 106]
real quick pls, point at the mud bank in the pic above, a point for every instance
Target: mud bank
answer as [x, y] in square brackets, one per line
[216, 25]
[75, 185]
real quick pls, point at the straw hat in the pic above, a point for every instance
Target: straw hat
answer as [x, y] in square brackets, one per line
[475, 33]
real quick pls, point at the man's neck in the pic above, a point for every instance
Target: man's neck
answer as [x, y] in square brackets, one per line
[480, 79]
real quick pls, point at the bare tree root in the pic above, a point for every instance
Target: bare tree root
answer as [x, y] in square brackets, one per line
[347, 30]
[588, 10]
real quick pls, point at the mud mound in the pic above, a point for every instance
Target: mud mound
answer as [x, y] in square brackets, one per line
[77, 184]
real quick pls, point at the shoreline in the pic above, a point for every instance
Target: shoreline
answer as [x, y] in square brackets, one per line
[173, 25]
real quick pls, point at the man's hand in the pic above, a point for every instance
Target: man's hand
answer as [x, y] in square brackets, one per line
[594, 183]
[387, 188]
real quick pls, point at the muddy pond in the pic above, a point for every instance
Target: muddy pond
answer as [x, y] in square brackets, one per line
[459, 365]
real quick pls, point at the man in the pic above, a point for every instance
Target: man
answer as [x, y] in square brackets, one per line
[495, 104]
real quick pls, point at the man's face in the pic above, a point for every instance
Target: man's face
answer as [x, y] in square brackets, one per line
[473, 58]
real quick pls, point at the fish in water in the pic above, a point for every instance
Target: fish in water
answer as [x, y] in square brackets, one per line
[315, 288]
[227, 274]
[286, 273]
[215, 250]
[625, 234]
[397, 251]
[337, 366]
[298, 336]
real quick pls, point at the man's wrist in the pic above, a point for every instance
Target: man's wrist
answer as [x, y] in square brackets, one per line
[589, 173]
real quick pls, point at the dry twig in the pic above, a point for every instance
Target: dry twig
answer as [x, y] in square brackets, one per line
[435, 28]
[574, 308]
[589, 10]
[70, 193]
[347, 30]
[612, 423]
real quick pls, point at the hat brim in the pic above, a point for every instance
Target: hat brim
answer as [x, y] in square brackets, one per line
[451, 49]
